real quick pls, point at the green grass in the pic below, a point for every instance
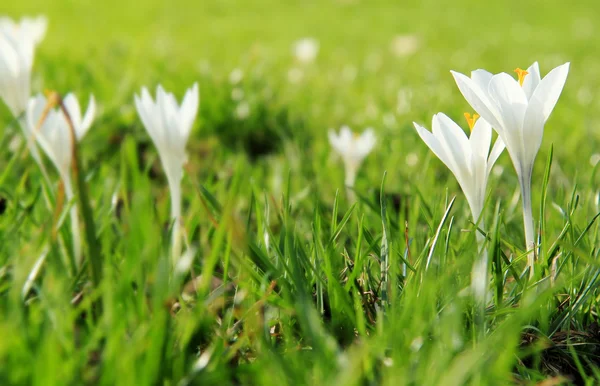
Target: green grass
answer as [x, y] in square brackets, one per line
[309, 307]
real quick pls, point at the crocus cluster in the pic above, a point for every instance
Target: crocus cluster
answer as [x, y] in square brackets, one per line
[516, 109]
[56, 125]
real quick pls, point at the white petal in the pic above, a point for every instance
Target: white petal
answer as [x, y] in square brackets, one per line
[188, 111]
[72, 106]
[510, 100]
[334, 140]
[439, 149]
[88, 118]
[482, 78]
[478, 99]
[481, 137]
[495, 154]
[365, 143]
[532, 79]
[454, 139]
[432, 142]
[548, 91]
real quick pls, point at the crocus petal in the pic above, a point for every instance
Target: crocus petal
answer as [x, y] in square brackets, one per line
[432, 142]
[510, 100]
[482, 78]
[478, 99]
[497, 150]
[86, 123]
[548, 91]
[439, 149]
[335, 141]
[72, 106]
[365, 143]
[481, 137]
[454, 139]
[532, 79]
[188, 111]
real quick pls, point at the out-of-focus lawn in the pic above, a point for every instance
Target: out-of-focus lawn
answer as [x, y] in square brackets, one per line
[114, 47]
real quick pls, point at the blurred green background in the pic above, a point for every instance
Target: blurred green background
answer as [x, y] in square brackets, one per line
[112, 48]
[382, 64]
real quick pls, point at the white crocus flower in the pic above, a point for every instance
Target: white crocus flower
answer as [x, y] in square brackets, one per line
[33, 28]
[471, 161]
[17, 45]
[353, 149]
[169, 126]
[306, 50]
[54, 136]
[518, 111]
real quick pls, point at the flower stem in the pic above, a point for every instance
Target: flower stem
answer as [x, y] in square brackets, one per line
[479, 281]
[525, 180]
[74, 216]
[35, 154]
[350, 177]
[175, 188]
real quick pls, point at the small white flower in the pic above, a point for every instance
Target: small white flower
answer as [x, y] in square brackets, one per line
[352, 148]
[469, 159]
[306, 50]
[412, 159]
[56, 140]
[237, 94]
[236, 76]
[295, 75]
[594, 159]
[169, 125]
[54, 134]
[242, 111]
[405, 45]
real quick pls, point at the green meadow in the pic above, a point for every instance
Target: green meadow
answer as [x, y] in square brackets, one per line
[292, 281]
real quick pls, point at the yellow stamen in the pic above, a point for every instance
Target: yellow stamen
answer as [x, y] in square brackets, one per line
[521, 74]
[471, 119]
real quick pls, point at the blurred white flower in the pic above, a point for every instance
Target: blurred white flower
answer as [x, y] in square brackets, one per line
[373, 62]
[237, 94]
[32, 28]
[412, 159]
[389, 120]
[353, 149]
[518, 111]
[404, 45]
[306, 50]
[594, 159]
[17, 44]
[56, 140]
[497, 170]
[169, 125]
[16, 61]
[242, 111]
[349, 73]
[295, 75]
[403, 103]
[236, 76]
